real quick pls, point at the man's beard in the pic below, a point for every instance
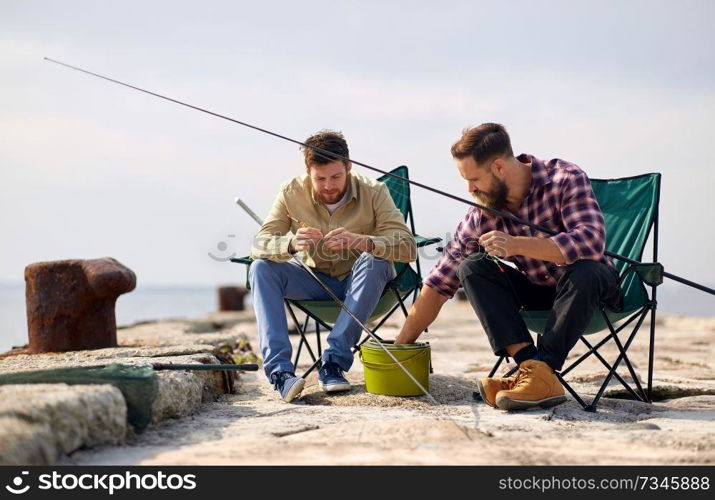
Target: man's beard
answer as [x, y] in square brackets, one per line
[495, 198]
[334, 198]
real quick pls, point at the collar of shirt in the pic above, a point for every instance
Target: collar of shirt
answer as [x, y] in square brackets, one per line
[353, 189]
[540, 175]
[540, 178]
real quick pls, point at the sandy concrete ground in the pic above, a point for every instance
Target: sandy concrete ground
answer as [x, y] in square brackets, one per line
[255, 427]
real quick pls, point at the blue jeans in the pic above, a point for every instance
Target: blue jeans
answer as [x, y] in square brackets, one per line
[271, 282]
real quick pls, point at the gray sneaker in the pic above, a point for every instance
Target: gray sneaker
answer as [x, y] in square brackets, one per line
[287, 384]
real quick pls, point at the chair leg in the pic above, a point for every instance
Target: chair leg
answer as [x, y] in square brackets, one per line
[574, 394]
[297, 352]
[303, 341]
[302, 337]
[399, 300]
[498, 363]
[401, 303]
[612, 370]
[584, 356]
[627, 361]
[608, 367]
[311, 368]
[365, 339]
[632, 372]
[355, 349]
[317, 336]
[598, 346]
[496, 366]
[618, 360]
[651, 349]
[384, 319]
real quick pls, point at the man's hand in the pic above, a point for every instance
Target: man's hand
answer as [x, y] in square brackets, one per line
[305, 237]
[500, 244]
[341, 238]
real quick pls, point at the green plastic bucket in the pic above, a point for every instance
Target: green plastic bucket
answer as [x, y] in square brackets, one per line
[384, 376]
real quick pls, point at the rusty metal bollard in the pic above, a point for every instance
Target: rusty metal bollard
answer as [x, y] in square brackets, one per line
[70, 303]
[230, 298]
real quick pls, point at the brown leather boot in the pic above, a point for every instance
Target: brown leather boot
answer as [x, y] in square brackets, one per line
[489, 387]
[536, 385]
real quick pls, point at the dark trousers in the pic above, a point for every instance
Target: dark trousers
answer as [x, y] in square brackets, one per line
[498, 296]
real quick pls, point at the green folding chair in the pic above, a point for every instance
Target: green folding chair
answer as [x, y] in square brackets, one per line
[408, 281]
[630, 210]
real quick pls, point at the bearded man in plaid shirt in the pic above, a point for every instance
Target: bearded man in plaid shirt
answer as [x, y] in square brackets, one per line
[567, 274]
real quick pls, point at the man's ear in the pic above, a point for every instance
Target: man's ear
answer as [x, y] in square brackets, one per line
[348, 167]
[499, 168]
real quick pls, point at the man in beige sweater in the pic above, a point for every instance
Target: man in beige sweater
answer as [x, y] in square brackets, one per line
[345, 227]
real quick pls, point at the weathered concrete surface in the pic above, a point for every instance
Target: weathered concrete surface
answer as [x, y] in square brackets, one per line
[255, 427]
[39, 423]
[181, 393]
[214, 329]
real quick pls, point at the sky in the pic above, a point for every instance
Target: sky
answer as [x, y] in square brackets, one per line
[90, 169]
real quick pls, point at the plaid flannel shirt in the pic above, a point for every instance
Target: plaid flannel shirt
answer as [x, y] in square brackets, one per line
[560, 199]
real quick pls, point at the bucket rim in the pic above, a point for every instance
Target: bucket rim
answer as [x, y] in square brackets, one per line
[372, 345]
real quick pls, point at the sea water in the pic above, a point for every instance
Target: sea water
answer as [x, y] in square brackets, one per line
[162, 302]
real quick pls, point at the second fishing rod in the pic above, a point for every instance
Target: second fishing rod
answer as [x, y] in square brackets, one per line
[370, 334]
[328, 154]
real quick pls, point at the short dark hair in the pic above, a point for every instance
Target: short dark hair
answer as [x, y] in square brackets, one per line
[328, 140]
[483, 143]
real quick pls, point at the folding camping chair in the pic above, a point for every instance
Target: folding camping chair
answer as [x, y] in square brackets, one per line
[408, 281]
[630, 209]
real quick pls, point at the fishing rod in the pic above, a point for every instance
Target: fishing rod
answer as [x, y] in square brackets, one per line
[329, 154]
[247, 367]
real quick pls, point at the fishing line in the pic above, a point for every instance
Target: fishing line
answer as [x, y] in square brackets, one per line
[347, 310]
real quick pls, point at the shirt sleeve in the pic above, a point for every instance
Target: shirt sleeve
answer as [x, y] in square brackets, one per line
[585, 231]
[443, 277]
[392, 239]
[273, 239]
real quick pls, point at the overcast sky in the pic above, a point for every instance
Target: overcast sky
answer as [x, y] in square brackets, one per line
[91, 169]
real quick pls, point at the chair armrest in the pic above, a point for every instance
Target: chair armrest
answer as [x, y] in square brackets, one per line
[651, 273]
[423, 242]
[242, 260]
